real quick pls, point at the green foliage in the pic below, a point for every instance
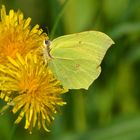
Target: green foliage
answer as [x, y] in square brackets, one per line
[110, 109]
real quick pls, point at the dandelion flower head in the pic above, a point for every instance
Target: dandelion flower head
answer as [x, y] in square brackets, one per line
[32, 88]
[16, 35]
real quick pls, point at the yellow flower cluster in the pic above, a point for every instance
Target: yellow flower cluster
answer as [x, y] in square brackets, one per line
[26, 83]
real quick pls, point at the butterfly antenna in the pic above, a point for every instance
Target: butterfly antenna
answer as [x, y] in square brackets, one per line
[48, 33]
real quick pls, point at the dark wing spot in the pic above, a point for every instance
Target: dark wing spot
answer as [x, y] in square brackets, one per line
[77, 66]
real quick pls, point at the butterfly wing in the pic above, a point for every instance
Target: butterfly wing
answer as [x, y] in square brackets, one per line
[76, 58]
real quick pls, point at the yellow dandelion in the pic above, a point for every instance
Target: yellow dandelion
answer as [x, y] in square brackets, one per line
[32, 89]
[16, 35]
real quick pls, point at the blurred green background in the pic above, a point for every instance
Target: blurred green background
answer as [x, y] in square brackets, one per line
[110, 109]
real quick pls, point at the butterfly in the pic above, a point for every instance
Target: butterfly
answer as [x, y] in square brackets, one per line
[75, 59]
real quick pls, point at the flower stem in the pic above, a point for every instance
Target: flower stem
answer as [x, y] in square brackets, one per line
[11, 136]
[79, 111]
[58, 19]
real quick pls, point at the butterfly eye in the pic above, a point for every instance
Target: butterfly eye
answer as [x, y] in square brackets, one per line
[47, 42]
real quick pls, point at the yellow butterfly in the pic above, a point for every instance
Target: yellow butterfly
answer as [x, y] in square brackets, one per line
[75, 59]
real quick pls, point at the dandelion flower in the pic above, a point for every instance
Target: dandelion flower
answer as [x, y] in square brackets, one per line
[33, 90]
[16, 35]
